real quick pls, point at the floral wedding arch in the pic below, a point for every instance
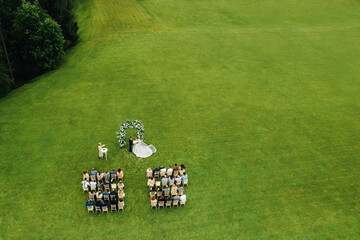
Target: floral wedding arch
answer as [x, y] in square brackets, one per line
[129, 124]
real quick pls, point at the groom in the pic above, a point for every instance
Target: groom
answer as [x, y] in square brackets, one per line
[130, 144]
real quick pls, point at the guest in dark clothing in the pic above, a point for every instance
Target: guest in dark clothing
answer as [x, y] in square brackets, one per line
[130, 144]
[113, 201]
[106, 183]
[161, 199]
[89, 203]
[104, 203]
[98, 204]
[175, 197]
[114, 194]
[156, 169]
[105, 193]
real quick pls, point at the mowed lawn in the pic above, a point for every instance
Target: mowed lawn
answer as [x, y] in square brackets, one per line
[259, 99]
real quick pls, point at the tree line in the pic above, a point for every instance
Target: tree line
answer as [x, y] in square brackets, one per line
[34, 36]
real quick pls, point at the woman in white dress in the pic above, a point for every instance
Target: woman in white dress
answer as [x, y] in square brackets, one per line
[142, 150]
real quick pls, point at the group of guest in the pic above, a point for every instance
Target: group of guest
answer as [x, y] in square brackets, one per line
[167, 185]
[105, 189]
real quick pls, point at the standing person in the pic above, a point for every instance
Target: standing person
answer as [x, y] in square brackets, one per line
[130, 144]
[100, 146]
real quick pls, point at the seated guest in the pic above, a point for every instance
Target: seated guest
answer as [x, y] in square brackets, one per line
[167, 198]
[100, 176]
[107, 175]
[164, 180]
[94, 172]
[182, 166]
[156, 169]
[113, 201]
[121, 203]
[178, 179]
[100, 185]
[106, 183]
[113, 171]
[171, 181]
[93, 185]
[184, 177]
[151, 182]
[169, 171]
[175, 198]
[153, 201]
[106, 193]
[159, 192]
[113, 194]
[85, 184]
[166, 189]
[161, 199]
[176, 168]
[121, 194]
[98, 204]
[183, 198]
[149, 173]
[99, 196]
[104, 203]
[86, 175]
[92, 194]
[89, 203]
[162, 171]
[121, 185]
[119, 174]
[173, 190]
[180, 188]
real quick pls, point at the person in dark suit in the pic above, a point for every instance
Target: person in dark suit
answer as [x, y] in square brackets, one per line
[130, 144]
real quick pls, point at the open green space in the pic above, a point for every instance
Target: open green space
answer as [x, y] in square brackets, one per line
[259, 99]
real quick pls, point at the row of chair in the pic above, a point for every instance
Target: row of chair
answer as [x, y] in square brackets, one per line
[167, 203]
[103, 209]
[158, 183]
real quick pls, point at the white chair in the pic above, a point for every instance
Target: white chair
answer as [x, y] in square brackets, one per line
[105, 150]
[90, 209]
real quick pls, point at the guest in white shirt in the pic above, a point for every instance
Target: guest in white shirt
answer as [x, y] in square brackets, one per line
[162, 171]
[151, 182]
[149, 172]
[183, 198]
[121, 185]
[98, 196]
[85, 184]
[169, 171]
[93, 185]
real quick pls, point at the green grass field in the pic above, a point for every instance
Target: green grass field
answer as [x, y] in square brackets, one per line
[259, 99]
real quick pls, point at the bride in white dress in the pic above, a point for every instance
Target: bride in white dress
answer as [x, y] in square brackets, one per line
[142, 150]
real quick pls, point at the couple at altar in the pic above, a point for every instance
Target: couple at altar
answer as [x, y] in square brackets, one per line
[141, 149]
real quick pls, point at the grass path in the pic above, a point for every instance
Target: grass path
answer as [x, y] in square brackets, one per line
[259, 99]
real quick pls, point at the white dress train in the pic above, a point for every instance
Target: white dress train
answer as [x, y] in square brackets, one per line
[142, 150]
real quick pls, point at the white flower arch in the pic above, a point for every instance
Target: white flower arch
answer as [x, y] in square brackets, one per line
[129, 124]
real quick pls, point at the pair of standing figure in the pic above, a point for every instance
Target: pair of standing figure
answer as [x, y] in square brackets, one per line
[140, 149]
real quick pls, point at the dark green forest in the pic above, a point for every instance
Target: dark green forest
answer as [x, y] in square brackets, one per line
[34, 37]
